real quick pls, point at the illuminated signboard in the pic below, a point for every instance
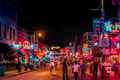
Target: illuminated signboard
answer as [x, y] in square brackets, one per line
[104, 40]
[106, 26]
[85, 50]
[108, 51]
[26, 45]
[110, 26]
[92, 39]
[85, 45]
[96, 25]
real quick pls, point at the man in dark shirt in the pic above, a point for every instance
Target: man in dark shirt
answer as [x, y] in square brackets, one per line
[64, 68]
[95, 70]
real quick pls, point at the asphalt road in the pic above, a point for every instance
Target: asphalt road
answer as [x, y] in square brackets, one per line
[44, 75]
[36, 75]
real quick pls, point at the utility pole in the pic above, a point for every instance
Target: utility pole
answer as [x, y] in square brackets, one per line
[102, 8]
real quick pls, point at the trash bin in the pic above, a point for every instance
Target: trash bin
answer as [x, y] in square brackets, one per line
[2, 70]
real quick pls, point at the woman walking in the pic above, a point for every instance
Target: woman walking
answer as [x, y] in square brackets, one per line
[76, 70]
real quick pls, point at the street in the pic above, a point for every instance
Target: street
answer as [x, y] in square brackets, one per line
[59, 41]
[35, 75]
[44, 74]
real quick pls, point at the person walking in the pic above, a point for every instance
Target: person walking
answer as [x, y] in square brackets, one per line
[108, 69]
[26, 66]
[64, 69]
[51, 66]
[116, 70]
[83, 70]
[102, 68]
[95, 70]
[81, 66]
[18, 65]
[76, 70]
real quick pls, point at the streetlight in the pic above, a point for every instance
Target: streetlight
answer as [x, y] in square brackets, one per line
[40, 34]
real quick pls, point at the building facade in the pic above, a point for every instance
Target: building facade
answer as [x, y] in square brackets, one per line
[8, 22]
[8, 30]
[23, 38]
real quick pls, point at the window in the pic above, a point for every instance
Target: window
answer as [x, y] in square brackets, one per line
[10, 33]
[0, 29]
[14, 34]
[5, 31]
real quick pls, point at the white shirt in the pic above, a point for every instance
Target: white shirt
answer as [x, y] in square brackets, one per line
[52, 64]
[76, 68]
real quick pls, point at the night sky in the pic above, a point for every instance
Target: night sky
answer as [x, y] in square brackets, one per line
[61, 20]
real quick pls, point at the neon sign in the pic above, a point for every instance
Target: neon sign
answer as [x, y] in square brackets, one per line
[112, 27]
[106, 26]
[26, 45]
[104, 40]
[85, 50]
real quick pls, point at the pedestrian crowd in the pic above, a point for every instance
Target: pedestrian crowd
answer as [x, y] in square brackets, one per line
[91, 70]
